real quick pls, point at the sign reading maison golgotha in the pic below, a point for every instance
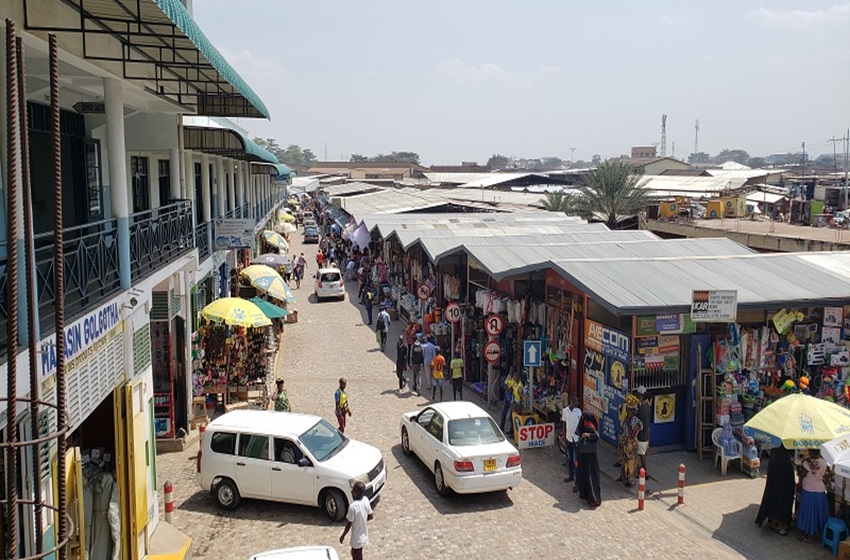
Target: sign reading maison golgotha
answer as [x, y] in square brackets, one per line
[714, 306]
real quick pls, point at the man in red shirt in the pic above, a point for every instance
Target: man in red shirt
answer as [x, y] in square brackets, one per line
[320, 258]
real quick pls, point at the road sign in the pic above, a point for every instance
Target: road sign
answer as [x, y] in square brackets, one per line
[423, 292]
[531, 353]
[453, 312]
[536, 435]
[492, 351]
[494, 325]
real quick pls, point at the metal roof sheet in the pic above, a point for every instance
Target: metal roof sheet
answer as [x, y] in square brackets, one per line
[665, 185]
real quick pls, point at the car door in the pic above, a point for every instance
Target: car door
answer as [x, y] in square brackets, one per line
[432, 445]
[253, 467]
[418, 431]
[292, 480]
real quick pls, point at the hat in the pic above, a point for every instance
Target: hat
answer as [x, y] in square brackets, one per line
[641, 390]
[437, 348]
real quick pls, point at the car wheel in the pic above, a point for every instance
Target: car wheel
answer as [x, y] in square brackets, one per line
[333, 502]
[405, 442]
[342, 297]
[440, 481]
[226, 494]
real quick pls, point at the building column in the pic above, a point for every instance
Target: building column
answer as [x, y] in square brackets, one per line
[221, 203]
[231, 186]
[113, 96]
[240, 185]
[175, 191]
[206, 189]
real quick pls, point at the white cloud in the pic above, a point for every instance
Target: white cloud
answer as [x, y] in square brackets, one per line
[800, 19]
[551, 69]
[456, 69]
[675, 21]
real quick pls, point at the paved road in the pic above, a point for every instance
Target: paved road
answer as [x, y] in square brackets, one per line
[540, 519]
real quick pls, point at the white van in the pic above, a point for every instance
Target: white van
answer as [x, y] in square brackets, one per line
[286, 457]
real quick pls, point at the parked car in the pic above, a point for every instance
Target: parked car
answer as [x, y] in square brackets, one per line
[464, 448]
[286, 457]
[311, 235]
[329, 283]
[310, 223]
[299, 553]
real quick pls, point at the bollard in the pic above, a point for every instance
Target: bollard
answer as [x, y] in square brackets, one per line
[641, 488]
[169, 502]
[681, 483]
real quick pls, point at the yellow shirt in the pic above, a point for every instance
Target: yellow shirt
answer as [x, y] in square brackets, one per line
[457, 368]
[518, 392]
[437, 365]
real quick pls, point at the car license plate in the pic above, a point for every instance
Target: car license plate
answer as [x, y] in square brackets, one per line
[489, 465]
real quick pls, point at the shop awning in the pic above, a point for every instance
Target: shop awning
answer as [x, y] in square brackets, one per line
[157, 44]
[225, 142]
[270, 310]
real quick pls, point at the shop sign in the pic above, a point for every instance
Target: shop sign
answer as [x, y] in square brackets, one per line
[784, 318]
[665, 408]
[80, 336]
[676, 323]
[492, 351]
[494, 325]
[610, 342]
[536, 435]
[423, 292]
[234, 233]
[453, 313]
[606, 381]
[714, 306]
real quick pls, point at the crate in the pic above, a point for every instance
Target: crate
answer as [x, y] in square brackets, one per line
[292, 317]
[844, 550]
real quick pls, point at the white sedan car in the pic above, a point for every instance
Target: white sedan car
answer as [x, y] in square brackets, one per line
[329, 283]
[299, 553]
[463, 447]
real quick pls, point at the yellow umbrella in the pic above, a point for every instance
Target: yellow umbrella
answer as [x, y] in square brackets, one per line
[267, 279]
[799, 422]
[275, 239]
[288, 218]
[236, 312]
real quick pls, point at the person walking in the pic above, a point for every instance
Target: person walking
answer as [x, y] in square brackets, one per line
[367, 301]
[320, 258]
[814, 506]
[417, 358]
[281, 398]
[382, 325]
[644, 414]
[632, 427]
[298, 272]
[341, 400]
[777, 503]
[357, 520]
[430, 349]
[587, 475]
[401, 352]
[456, 367]
[438, 364]
[571, 416]
[508, 390]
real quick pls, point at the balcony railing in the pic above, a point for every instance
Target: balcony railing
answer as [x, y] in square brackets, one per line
[202, 240]
[158, 236]
[244, 211]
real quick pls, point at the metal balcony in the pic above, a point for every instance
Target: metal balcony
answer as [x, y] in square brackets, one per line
[202, 239]
[159, 236]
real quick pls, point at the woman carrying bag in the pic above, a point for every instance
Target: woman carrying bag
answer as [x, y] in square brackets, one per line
[587, 477]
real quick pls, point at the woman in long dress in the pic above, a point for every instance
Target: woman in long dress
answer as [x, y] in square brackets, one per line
[631, 428]
[777, 503]
[587, 477]
[814, 507]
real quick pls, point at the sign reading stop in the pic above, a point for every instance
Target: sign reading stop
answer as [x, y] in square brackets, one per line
[536, 435]
[453, 312]
[492, 351]
[494, 325]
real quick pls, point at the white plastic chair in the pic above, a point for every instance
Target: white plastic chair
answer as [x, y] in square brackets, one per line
[720, 452]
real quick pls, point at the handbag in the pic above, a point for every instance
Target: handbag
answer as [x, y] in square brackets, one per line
[586, 446]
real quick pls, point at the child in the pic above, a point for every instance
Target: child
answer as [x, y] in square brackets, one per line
[359, 514]
[342, 408]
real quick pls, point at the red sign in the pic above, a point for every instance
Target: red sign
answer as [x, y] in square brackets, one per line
[536, 435]
[423, 292]
[492, 351]
[453, 312]
[494, 325]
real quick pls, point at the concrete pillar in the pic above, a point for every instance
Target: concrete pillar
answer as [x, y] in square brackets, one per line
[219, 187]
[240, 185]
[189, 185]
[113, 96]
[231, 185]
[153, 180]
[206, 189]
[177, 179]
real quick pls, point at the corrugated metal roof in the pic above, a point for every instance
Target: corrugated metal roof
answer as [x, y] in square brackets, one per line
[350, 188]
[666, 284]
[666, 185]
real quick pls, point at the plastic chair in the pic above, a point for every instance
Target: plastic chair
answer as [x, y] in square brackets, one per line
[720, 452]
[834, 532]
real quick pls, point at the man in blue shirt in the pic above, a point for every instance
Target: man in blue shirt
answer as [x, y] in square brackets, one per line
[430, 350]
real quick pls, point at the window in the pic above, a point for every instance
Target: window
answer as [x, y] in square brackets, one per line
[323, 441]
[141, 183]
[94, 190]
[425, 417]
[223, 442]
[474, 431]
[164, 167]
[330, 277]
[286, 451]
[253, 446]
[435, 427]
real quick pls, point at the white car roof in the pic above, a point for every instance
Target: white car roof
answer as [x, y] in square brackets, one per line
[290, 424]
[459, 409]
[299, 553]
[321, 270]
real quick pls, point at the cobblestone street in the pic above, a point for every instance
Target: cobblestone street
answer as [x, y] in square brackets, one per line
[540, 519]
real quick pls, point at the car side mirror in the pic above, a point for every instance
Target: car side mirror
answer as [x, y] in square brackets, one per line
[304, 462]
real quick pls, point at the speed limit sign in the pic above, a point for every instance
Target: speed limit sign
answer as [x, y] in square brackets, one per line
[453, 312]
[492, 351]
[494, 325]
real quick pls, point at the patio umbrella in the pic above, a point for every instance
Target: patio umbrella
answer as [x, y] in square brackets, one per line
[268, 280]
[799, 422]
[271, 259]
[270, 310]
[288, 218]
[837, 454]
[235, 312]
[288, 228]
[275, 239]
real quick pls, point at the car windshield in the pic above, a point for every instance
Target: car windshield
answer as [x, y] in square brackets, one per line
[310, 231]
[330, 277]
[323, 441]
[474, 431]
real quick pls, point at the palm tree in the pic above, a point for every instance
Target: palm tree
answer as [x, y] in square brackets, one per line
[557, 201]
[613, 191]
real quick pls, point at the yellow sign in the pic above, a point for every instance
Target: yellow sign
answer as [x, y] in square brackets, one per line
[618, 374]
[665, 408]
[783, 319]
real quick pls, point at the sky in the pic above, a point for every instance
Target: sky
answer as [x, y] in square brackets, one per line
[460, 81]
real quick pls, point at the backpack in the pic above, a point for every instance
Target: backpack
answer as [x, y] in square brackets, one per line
[380, 323]
[417, 355]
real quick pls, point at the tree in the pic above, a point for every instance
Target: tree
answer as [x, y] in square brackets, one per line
[498, 161]
[557, 201]
[596, 160]
[699, 157]
[756, 162]
[358, 158]
[613, 190]
[737, 155]
[269, 144]
[308, 157]
[552, 163]
[397, 157]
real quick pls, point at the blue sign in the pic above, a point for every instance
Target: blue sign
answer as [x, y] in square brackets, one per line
[531, 353]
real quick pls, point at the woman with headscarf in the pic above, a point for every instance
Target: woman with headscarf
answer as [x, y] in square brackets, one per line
[814, 506]
[631, 428]
[777, 503]
[587, 476]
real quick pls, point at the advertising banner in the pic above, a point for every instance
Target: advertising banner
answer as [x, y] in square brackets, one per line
[714, 306]
[234, 234]
[606, 375]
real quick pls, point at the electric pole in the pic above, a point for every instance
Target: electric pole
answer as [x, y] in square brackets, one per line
[572, 158]
[696, 137]
[663, 135]
[803, 165]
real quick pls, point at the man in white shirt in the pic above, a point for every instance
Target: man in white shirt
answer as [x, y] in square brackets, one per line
[571, 416]
[430, 350]
[359, 513]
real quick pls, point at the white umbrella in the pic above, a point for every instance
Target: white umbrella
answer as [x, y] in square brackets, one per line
[837, 454]
[361, 237]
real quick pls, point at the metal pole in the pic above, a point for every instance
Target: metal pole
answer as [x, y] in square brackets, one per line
[846, 164]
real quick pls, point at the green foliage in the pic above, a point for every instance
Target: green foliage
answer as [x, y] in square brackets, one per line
[737, 155]
[358, 158]
[699, 157]
[756, 162]
[498, 161]
[396, 157]
[558, 201]
[292, 155]
[613, 190]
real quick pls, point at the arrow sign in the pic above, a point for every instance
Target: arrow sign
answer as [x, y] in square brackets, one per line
[531, 352]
